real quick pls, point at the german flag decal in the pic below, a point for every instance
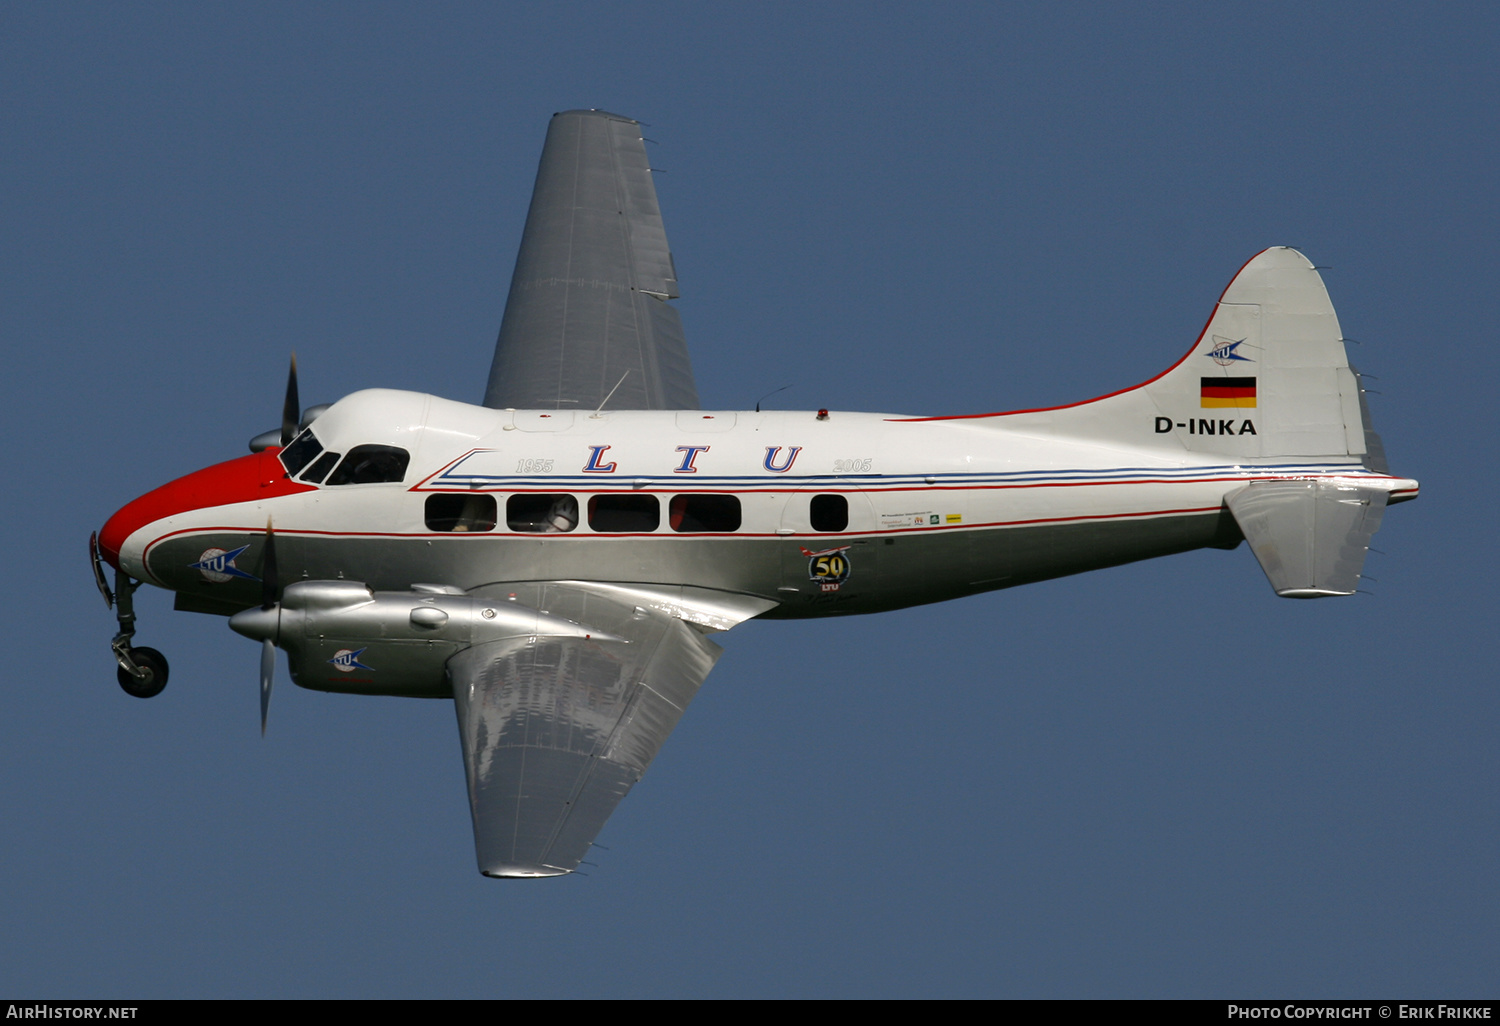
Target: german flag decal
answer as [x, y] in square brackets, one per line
[1221, 392]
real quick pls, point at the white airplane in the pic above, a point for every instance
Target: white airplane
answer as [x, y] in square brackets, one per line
[554, 559]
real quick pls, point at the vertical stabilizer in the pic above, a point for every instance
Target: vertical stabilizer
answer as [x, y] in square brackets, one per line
[1267, 378]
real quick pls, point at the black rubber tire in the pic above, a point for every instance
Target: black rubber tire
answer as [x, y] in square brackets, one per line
[155, 665]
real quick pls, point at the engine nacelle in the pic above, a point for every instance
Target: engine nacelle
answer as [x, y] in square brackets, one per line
[341, 636]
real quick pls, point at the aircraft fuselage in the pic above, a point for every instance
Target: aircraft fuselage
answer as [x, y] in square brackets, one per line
[821, 513]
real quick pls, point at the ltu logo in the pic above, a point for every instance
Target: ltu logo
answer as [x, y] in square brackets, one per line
[347, 660]
[1223, 353]
[217, 566]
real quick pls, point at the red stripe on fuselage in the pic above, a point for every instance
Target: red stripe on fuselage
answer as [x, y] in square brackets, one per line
[478, 536]
[247, 479]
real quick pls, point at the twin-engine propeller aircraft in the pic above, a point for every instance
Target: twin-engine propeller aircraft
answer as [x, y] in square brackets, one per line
[554, 559]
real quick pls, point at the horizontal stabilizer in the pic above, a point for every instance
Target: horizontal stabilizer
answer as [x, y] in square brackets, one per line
[1311, 537]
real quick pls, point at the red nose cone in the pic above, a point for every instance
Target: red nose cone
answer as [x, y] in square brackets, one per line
[257, 476]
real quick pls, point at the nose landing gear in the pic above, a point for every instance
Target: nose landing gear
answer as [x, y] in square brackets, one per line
[143, 671]
[150, 664]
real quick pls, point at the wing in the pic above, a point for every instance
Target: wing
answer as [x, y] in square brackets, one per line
[556, 730]
[588, 302]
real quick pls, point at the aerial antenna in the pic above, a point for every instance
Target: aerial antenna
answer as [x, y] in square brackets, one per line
[768, 395]
[612, 391]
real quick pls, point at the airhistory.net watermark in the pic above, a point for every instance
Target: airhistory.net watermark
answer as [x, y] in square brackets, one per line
[43, 1010]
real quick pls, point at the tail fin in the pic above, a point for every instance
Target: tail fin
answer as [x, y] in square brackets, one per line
[1267, 378]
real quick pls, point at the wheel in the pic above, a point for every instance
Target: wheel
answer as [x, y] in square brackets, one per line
[155, 665]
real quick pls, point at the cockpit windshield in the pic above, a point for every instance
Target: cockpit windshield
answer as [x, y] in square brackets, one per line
[300, 452]
[371, 464]
[365, 464]
[320, 467]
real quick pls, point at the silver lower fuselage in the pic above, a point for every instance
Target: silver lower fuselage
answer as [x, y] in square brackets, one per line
[884, 571]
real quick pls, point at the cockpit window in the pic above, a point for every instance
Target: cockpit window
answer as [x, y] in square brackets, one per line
[320, 467]
[300, 452]
[371, 464]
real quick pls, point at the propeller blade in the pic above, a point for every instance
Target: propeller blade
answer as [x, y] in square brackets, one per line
[268, 602]
[267, 678]
[268, 570]
[291, 410]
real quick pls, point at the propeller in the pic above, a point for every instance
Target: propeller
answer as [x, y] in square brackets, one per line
[291, 410]
[263, 623]
[293, 417]
[268, 570]
[267, 678]
[268, 592]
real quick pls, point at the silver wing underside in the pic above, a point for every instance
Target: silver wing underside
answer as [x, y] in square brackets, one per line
[588, 304]
[556, 730]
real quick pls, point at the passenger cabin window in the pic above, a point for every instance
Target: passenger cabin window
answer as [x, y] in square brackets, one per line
[705, 513]
[371, 464]
[300, 452]
[829, 513]
[458, 514]
[320, 467]
[634, 513]
[541, 514]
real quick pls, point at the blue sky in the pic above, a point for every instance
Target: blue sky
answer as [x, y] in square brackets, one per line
[1156, 780]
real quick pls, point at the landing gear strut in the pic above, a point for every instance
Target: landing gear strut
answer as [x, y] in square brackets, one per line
[143, 671]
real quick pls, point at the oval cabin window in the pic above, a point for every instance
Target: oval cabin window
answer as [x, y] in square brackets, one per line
[829, 513]
[691, 513]
[460, 513]
[624, 513]
[541, 513]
